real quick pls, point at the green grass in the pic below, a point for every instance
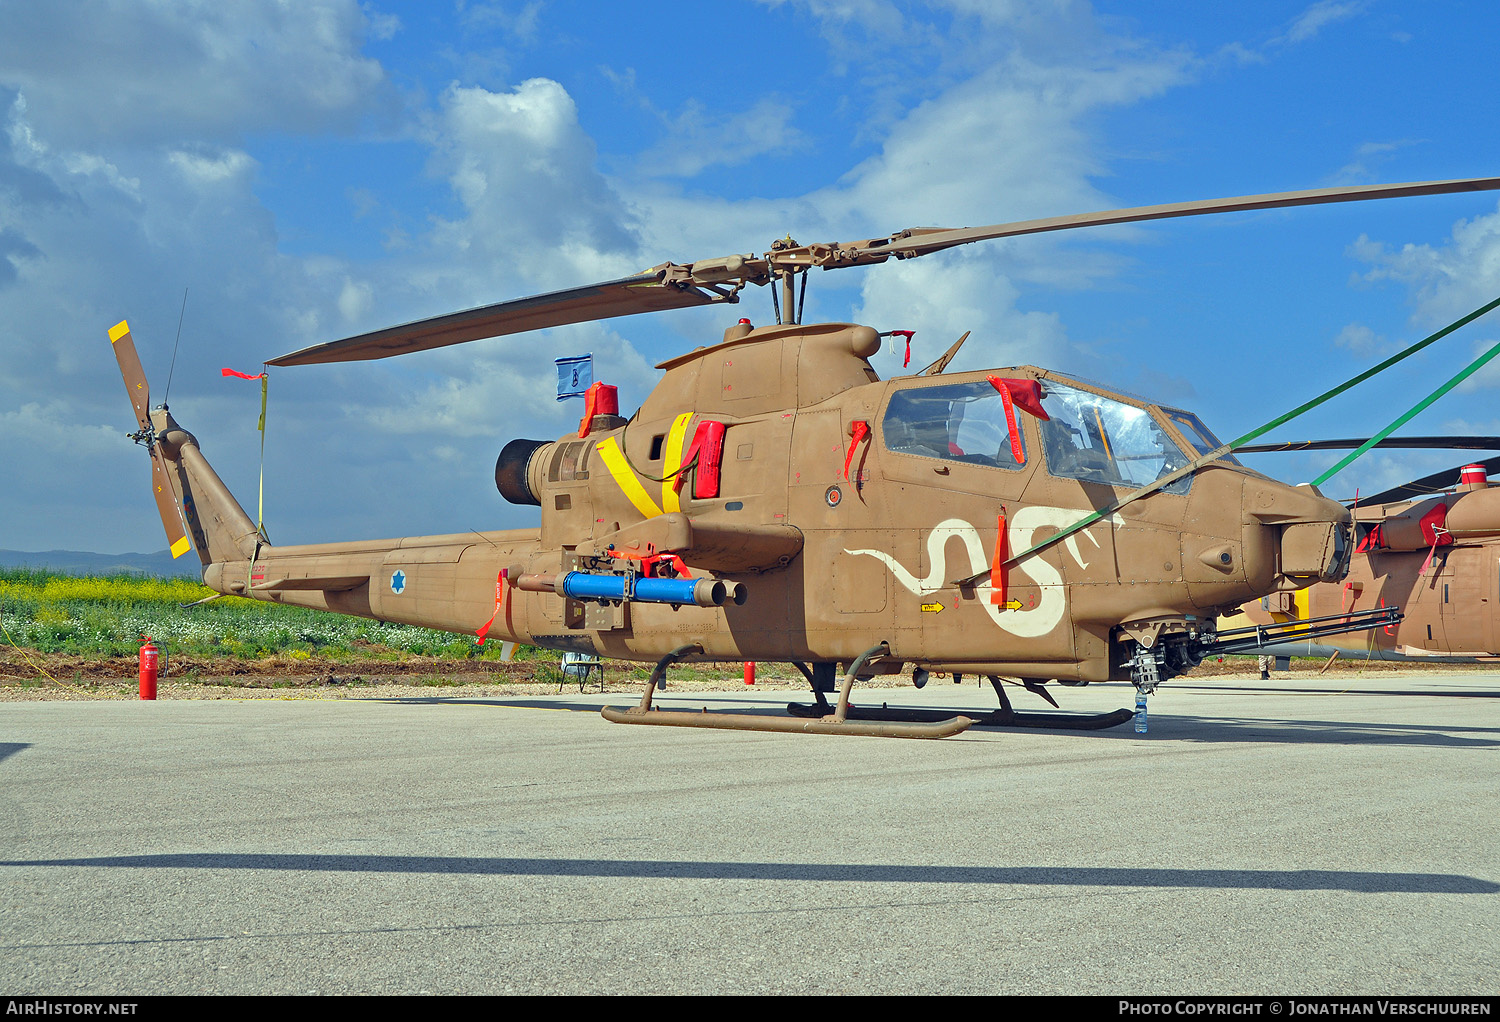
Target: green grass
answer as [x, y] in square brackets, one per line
[107, 617]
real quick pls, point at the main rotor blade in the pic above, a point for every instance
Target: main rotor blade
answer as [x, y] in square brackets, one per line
[921, 241]
[1428, 485]
[627, 296]
[130, 368]
[1431, 443]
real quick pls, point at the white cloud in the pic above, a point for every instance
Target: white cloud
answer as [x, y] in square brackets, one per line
[699, 138]
[1447, 280]
[1369, 156]
[949, 294]
[506, 387]
[1361, 340]
[383, 27]
[212, 168]
[215, 70]
[536, 206]
[521, 22]
[354, 299]
[1320, 15]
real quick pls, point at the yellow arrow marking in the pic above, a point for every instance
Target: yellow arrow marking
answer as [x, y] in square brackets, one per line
[932, 608]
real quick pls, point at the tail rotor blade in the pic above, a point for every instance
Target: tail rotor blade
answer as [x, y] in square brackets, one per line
[130, 368]
[166, 505]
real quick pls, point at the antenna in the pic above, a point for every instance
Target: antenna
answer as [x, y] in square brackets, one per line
[173, 367]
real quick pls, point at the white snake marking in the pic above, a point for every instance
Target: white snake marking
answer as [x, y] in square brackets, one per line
[1037, 621]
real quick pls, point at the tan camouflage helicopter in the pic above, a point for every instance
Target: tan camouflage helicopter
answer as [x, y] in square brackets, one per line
[774, 500]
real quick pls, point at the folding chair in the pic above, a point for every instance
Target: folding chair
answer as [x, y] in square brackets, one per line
[578, 667]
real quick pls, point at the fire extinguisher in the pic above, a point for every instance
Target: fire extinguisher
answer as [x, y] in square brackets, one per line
[149, 659]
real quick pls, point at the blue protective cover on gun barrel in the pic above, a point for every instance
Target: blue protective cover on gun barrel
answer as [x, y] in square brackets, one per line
[581, 585]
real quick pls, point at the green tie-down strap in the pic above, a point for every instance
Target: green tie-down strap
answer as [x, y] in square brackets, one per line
[1468, 371]
[1234, 445]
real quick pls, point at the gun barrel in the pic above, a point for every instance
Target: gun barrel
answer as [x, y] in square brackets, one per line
[584, 585]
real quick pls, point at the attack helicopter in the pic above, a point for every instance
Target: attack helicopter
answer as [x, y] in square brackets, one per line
[773, 499]
[1430, 546]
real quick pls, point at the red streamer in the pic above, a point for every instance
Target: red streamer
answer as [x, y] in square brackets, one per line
[861, 430]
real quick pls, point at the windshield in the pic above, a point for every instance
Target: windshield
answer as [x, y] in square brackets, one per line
[1097, 439]
[955, 422]
[1197, 434]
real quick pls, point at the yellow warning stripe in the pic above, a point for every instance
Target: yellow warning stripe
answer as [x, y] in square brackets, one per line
[614, 460]
[675, 439]
[119, 330]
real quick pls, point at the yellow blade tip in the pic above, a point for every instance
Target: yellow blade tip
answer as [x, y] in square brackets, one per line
[119, 330]
[180, 547]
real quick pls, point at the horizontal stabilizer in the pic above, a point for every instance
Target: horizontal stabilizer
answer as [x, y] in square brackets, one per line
[328, 584]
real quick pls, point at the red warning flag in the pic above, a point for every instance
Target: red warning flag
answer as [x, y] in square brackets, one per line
[907, 334]
[243, 376]
[484, 630]
[859, 429]
[997, 564]
[1027, 394]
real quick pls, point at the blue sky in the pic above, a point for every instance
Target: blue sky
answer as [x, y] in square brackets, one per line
[314, 169]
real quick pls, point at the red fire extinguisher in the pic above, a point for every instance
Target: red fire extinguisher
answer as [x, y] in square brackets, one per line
[149, 660]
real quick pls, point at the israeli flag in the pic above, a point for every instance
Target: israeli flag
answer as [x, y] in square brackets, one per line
[574, 376]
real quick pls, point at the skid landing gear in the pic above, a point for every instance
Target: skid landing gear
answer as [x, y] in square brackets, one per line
[1005, 716]
[825, 720]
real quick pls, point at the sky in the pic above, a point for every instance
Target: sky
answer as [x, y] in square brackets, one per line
[304, 170]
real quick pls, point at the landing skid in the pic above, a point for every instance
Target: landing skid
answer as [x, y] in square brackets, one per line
[828, 720]
[824, 718]
[1005, 716]
[998, 718]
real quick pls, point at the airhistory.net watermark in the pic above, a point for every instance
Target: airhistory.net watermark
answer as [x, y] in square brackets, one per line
[54, 1007]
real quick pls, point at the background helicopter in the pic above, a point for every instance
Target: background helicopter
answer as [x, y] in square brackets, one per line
[773, 499]
[1430, 547]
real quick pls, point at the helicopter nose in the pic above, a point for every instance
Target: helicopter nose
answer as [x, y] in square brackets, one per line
[1315, 552]
[1312, 533]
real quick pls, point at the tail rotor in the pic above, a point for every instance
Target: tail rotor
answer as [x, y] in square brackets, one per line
[145, 435]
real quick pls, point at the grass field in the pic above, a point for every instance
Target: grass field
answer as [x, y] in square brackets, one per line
[98, 618]
[65, 630]
[59, 629]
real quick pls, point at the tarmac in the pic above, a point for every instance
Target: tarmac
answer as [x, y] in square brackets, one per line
[1301, 836]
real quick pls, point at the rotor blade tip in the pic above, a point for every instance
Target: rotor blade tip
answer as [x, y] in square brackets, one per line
[119, 330]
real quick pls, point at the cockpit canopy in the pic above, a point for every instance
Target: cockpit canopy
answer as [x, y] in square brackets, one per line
[1085, 436]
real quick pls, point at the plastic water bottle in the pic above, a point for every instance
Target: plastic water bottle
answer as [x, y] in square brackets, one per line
[1140, 712]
